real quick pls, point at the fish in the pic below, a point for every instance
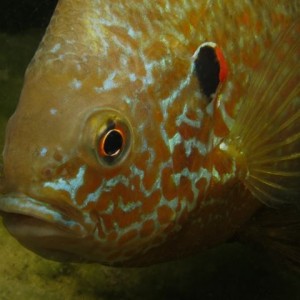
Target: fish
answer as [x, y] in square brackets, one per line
[149, 131]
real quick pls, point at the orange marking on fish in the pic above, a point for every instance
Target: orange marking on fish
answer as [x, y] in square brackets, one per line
[165, 214]
[112, 236]
[223, 65]
[147, 228]
[186, 191]
[126, 219]
[245, 18]
[127, 237]
[92, 183]
[230, 108]
[102, 205]
[155, 51]
[169, 187]
[150, 204]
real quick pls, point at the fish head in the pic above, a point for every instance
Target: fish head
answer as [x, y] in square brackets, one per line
[93, 160]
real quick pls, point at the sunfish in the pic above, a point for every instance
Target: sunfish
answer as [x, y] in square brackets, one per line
[149, 130]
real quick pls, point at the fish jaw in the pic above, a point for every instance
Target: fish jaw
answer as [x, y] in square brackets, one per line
[40, 227]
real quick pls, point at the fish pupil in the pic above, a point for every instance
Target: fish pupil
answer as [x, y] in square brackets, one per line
[113, 142]
[207, 69]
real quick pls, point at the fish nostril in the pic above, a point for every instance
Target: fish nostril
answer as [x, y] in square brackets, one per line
[58, 156]
[47, 173]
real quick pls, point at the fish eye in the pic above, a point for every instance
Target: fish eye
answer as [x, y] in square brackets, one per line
[210, 67]
[113, 142]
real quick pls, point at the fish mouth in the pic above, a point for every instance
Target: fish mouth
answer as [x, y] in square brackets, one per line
[40, 227]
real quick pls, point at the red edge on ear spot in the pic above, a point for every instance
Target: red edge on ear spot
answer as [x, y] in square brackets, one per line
[223, 65]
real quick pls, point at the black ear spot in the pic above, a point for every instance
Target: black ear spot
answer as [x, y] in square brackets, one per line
[210, 68]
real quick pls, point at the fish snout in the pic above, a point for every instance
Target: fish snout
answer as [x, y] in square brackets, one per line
[40, 227]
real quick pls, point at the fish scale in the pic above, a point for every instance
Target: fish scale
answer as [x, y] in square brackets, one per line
[179, 186]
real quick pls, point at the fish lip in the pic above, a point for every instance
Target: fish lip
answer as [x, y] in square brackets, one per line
[25, 208]
[41, 228]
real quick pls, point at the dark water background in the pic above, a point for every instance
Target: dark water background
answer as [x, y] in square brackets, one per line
[230, 271]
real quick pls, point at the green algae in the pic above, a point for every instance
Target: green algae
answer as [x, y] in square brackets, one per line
[230, 271]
